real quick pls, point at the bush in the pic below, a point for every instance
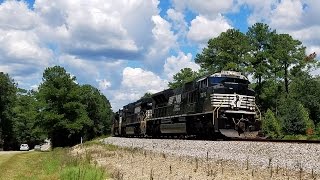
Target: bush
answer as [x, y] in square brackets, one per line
[295, 118]
[271, 125]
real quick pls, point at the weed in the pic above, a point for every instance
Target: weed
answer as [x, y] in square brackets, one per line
[269, 165]
[151, 174]
[197, 165]
[247, 164]
[118, 175]
[221, 167]
[163, 155]
[300, 171]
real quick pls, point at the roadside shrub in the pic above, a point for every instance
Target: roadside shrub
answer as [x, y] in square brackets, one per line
[271, 125]
[295, 118]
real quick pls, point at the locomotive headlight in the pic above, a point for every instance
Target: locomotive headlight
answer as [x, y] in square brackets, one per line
[251, 108]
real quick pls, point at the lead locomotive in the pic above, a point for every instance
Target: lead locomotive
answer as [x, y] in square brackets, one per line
[219, 104]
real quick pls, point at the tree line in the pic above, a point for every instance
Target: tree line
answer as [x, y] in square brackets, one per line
[286, 92]
[61, 110]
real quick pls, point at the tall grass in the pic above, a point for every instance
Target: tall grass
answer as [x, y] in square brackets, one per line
[75, 167]
[54, 165]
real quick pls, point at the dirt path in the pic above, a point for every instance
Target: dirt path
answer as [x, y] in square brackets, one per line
[11, 152]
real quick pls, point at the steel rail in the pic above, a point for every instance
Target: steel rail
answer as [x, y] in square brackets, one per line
[276, 140]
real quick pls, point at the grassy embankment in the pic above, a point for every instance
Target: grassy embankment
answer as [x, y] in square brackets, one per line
[57, 164]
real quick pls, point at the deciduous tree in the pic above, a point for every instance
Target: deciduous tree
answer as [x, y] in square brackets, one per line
[63, 115]
[228, 51]
[185, 75]
[7, 100]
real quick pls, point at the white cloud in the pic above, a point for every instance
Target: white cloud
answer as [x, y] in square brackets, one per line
[208, 8]
[16, 15]
[287, 14]
[23, 56]
[86, 70]
[299, 18]
[137, 79]
[98, 29]
[164, 40]
[260, 9]
[135, 82]
[104, 84]
[179, 23]
[202, 29]
[175, 63]
[310, 34]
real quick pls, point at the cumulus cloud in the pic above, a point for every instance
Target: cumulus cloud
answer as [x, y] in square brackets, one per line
[178, 19]
[287, 14]
[260, 9]
[139, 79]
[135, 82]
[22, 54]
[16, 15]
[209, 8]
[164, 40]
[174, 64]
[299, 18]
[99, 29]
[105, 73]
[202, 29]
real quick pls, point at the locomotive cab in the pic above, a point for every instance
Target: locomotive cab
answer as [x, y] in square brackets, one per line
[233, 102]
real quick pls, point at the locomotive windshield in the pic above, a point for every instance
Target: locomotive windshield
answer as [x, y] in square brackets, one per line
[219, 80]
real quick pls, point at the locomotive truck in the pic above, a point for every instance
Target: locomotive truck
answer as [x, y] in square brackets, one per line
[221, 104]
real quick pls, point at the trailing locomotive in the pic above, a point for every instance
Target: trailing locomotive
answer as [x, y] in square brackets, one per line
[219, 104]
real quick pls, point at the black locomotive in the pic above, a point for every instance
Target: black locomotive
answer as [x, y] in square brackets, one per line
[219, 104]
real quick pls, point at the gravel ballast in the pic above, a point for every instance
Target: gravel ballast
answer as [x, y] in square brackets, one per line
[260, 154]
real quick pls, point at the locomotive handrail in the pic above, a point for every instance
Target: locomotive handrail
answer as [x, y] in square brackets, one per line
[258, 111]
[217, 111]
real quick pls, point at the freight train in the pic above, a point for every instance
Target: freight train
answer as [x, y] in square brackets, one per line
[221, 104]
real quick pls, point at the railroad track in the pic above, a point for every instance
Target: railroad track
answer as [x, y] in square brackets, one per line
[276, 140]
[229, 139]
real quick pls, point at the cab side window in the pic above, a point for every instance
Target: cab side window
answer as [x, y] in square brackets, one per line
[203, 83]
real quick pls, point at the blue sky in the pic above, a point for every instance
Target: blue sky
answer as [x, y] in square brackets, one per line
[129, 47]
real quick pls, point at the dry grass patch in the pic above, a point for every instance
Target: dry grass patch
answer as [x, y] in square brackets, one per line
[136, 163]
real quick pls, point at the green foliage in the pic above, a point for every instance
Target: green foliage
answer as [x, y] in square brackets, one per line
[271, 125]
[306, 90]
[98, 109]
[260, 36]
[185, 75]
[25, 124]
[62, 115]
[61, 110]
[286, 52]
[146, 95]
[317, 130]
[228, 51]
[56, 164]
[269, 95]
[295, 118]
[70, 111]
[7, 101]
